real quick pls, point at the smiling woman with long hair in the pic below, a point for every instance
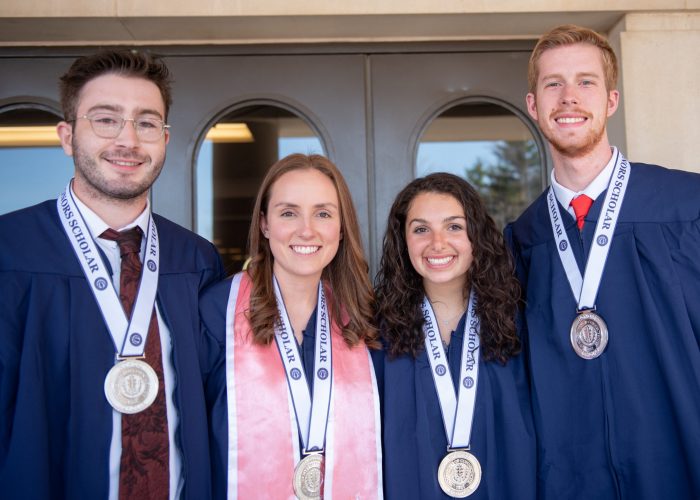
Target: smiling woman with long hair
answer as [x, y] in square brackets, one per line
[457, 418]
[293, 398]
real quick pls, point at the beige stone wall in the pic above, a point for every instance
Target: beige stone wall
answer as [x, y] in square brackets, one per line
[80, 22]
[200, 8]
[660, 55]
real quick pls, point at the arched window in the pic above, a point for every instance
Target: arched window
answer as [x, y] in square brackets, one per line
[232, 161]
[33, 167]
[491, 147]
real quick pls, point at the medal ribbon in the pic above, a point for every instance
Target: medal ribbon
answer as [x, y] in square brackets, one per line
[585, 289]
[129, 336]
[457, 409]
[312, 417]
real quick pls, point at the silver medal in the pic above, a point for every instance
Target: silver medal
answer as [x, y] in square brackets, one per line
[459, 474]
[308, 477]
[589, 335]
[131, 386]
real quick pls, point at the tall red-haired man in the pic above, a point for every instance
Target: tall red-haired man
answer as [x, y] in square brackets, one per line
[609, 261]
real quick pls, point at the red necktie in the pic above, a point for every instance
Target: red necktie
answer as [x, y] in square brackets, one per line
[144, 470]
[581, 205]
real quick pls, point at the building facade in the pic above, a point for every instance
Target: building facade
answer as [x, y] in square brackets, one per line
[388, 90]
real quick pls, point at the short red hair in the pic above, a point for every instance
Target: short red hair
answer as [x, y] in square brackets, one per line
[570, 34]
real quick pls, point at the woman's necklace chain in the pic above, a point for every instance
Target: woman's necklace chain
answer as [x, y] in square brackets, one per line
[449, 321]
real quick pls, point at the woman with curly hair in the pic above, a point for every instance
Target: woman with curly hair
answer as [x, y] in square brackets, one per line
[293, 400]
[457, 417]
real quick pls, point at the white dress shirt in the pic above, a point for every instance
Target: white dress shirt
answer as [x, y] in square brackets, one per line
[111, 250]
[593, 190]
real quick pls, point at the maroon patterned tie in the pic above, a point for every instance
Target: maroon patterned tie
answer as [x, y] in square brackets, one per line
[144, 470]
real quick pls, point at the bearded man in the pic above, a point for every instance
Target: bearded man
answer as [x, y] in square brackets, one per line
[101, 392]
[609, 261]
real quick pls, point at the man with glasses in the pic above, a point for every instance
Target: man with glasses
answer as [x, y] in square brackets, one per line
[101, 392]
[609, 260]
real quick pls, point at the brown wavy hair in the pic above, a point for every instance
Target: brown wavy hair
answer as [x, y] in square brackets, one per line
[399, 288]
[133, 63]
[347, 274]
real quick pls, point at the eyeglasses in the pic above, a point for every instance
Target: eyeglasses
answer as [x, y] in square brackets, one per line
[110, 125]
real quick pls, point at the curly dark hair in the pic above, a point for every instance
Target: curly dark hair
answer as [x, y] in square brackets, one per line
[399, 288]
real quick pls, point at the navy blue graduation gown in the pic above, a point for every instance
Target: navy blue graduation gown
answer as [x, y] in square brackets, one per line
[55, 351]
[213, 315]
[414, 434]
[627, 424]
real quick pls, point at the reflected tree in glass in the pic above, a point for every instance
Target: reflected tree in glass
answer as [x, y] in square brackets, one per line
[510, 181]
[492, 148]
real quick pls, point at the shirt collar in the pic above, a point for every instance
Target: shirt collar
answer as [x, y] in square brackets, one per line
[593, 190]
[97, 226]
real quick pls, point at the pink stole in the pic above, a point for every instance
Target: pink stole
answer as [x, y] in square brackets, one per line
[263, 440]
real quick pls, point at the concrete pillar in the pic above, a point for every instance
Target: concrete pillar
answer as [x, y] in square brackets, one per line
[660, 63]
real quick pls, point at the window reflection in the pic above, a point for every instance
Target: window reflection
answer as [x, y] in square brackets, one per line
[33, 167]
[232, 161]
[491, 148]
